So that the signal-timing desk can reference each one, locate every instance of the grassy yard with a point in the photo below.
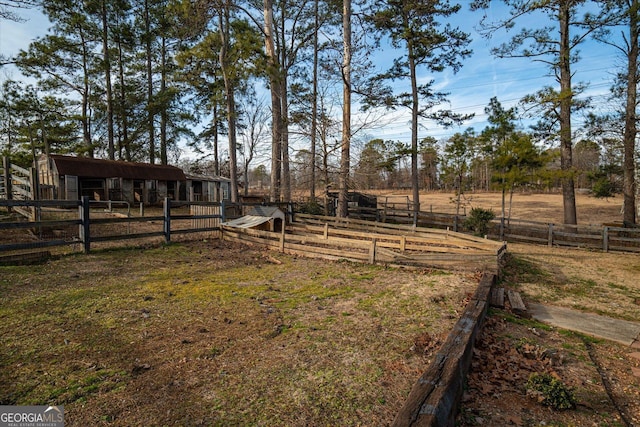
(211, 333)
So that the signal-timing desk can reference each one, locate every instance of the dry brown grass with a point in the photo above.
(543, 207)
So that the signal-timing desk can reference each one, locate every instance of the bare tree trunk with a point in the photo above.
(223, 20)
(630, 131)
(345, 161)
(284, 110)
(415, 185)
(566, 100)
(123, 103)
(276, 103)
(245, 178)
(86, 121)
(216, 160)
(150, 108)
(286, 170)
(314, 106)
(107, 76)
(163, 111)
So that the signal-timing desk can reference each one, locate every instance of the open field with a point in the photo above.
(213, 333)
(543, 207)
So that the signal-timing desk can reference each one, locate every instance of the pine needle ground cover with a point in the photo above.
(213, 333)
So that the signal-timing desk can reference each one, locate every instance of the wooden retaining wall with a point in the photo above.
(434, 398)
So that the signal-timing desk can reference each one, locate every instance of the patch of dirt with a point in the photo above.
(593, 281)
(510, 349)
(508, 352)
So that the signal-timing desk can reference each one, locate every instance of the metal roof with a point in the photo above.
(247, 221)
(257, 216)
(268, 211)
(85, 167)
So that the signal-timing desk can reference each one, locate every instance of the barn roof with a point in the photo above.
(97, 168)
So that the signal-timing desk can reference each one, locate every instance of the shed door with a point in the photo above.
(71, 187)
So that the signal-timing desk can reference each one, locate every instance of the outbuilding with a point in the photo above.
(70, 178)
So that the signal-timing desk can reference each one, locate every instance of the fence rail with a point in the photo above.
(81, 223)
(88, 225)
(361, 241)
(606, 238)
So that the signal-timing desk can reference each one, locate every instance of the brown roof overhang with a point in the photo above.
(85, 167)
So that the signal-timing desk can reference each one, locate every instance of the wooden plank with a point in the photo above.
(318, 255)
(450, 239)
(387, 249)
(517, 305)
(16, 168)
(38, 244)
(497, 297)
(369, 225)
(334, 252)
(434, 398)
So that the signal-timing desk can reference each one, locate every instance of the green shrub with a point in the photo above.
(603, 188)
(478, 221)
(311, 208)
(550, 391)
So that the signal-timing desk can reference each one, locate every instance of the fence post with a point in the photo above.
(166, 211)
(550, 238)
(282, 233)
(6, 165)
(85, 233)
(502, 229)
(372, 252)
(605, 239)
(455, 223)
(35, 193)
(290, 208)
(223, 211)
(35, 183)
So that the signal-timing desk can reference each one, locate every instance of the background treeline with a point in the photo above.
(262, 91)
(490, 160)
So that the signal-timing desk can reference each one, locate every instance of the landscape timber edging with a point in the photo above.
(434, 398)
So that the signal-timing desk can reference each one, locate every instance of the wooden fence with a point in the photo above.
(606, 238)
(362, 241)
(66, 225)
(85, 223)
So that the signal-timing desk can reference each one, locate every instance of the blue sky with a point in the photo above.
(481, 77)
(509, 79)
